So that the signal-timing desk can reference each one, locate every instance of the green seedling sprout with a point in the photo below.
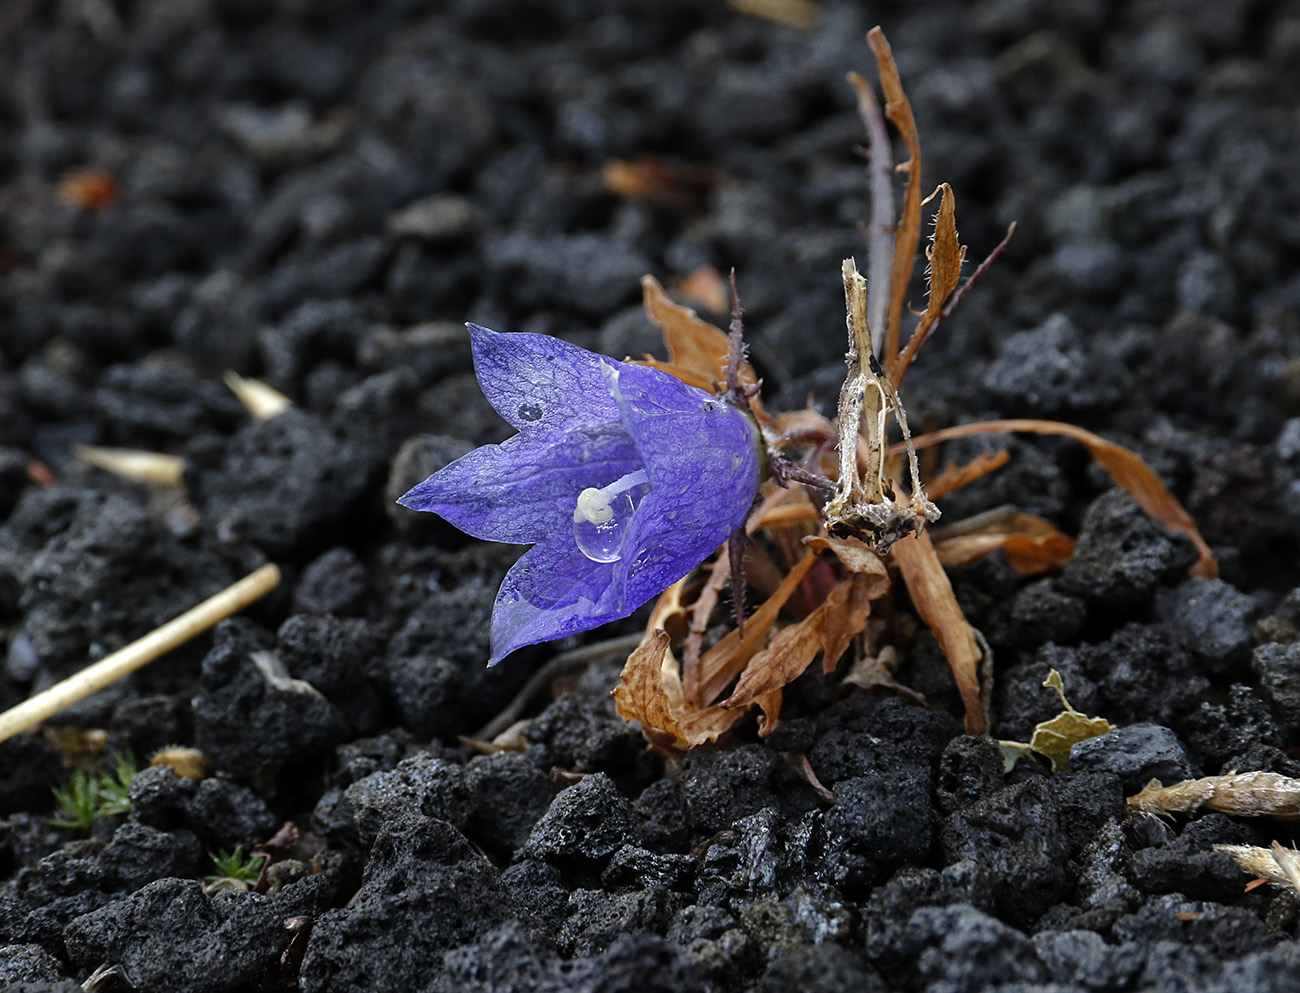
(234, 870)
(88, 796)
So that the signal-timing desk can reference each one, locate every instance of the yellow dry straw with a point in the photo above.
(138, 654)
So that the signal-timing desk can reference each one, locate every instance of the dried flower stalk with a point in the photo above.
(864, 505)
(1277, 864)
(1245, 794)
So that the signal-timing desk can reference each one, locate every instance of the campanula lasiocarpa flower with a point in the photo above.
(621, 477)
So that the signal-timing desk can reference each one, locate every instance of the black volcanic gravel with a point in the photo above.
(319, 194)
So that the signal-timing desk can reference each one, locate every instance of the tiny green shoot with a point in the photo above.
(87, 797)
(234, 870)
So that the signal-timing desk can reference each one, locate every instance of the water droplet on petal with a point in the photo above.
(601, 516)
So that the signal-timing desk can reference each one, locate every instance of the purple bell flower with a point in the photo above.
(622, 477)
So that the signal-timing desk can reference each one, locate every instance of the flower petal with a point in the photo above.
(536, 381)
(702, 458)
(524, 489)
(551, 592)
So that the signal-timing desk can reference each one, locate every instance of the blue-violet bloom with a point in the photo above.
(622, 477)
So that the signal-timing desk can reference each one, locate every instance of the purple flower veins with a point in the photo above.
(621, 477)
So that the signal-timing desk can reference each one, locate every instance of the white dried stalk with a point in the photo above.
(864, 505)
(1246, 794)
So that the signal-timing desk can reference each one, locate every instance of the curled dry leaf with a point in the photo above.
(1244, 794)
(933, 597)
(697, 351)
(827, 631)
(954, 477)
(1053, 739)
(1126, 468)
(1032, 544)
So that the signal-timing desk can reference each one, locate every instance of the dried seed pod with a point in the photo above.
(1246, 794)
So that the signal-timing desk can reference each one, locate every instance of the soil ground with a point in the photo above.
(319, 194)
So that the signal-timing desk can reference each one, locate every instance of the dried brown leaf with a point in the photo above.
(954, 477)
(827, 631)
(802, 14)
(935, 601)
(1032, 544)
(855, 556)
(697, 351)
(706, 287)
(725, 660)
(1126, 468)
(899, 112)
(1245, 794)
(674, 186)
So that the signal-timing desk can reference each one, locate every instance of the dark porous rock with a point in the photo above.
(581, 730)
(1136, 675)
(596, 918)
(68, 549)
(586, 823)
(510, 960)
(826, 968)
(1048, 372)
(1218, 732)
(332, 655)
(510, 795)
(221, 812)
(970, 769)
(281, 483)
(1278, 668)
(29, 769)
(633, 866)
(310, 335)
(139, 854)
(589, 273)
(1028, 834)
(1224, 932)
(246, 684)
(957, 948)
(147, 723)
(720, 787)
(157, 403)
(1122, 554)
(170, 935)
(660, 814)
(13, 472)
(1211, 619)
(423, 879)
(29, 964)
(538, 887)
(334, 583)
(878, 822)
(1041, 612)
(862, 734)
(1190, 865)
(763, 853)
(421, 784)
(1086, 959)
(1136, 753)
(435, 672)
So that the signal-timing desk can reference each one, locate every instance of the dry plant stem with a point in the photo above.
(1277, 864)
(139, 653)
(864, 505)
(880, 229)
(561, 665)
(130, 463)
(899, 112)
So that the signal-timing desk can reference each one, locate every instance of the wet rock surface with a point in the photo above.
(317, 195)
